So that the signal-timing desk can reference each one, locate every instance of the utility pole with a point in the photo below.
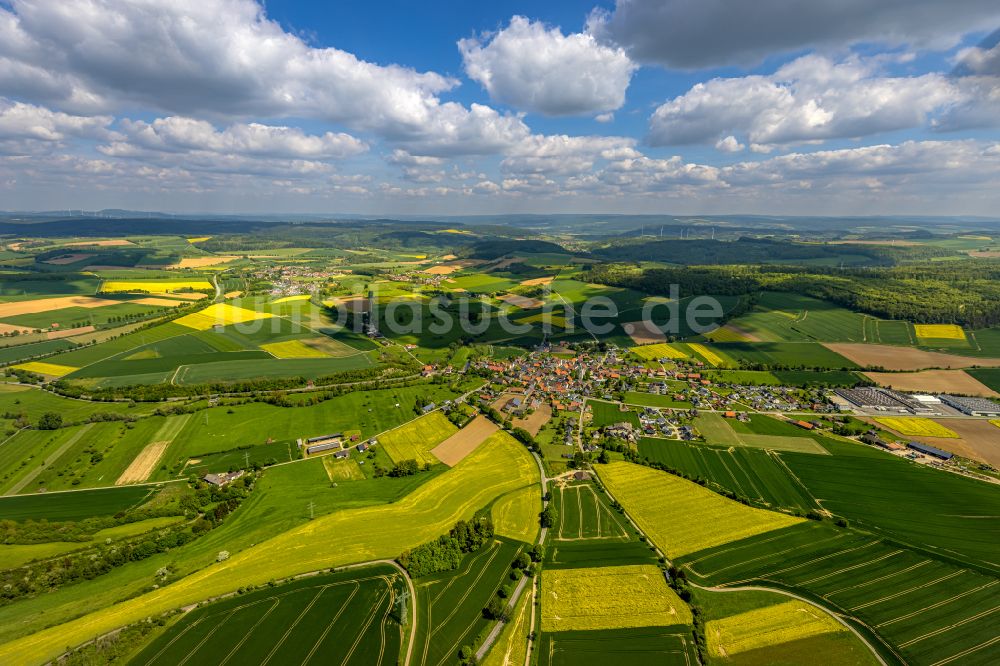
(246, 457)
(311, 516)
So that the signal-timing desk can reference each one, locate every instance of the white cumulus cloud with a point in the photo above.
(534, 68)
(809, 99)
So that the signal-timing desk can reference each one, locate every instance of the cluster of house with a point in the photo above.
(665, 423)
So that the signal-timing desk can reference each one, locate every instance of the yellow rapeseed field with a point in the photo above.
(515, 516)
(199, 239)
(344, 537)
(152, 286)
(917, 426)
(771, 625)
(995, 422)
(681, 517)
(414, 440)
(707, 354)
(292, 349)
(609, 598)
(659, 350)
(220, 314)
(51, 369)
(940, 331)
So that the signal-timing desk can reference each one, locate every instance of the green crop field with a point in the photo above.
(607, 413)
(13, 354)
(348, 616)
(788, 317)
(786, 355)
(643, 646)
(414, 440)
(482, 283)
(762, 424)
(584, 514)
(988, 376)
(499, 466)
(74, 505)
(654, 400)
(921, 609)
(752, 473)
(885, 493)
(816, 378)
(449, 605)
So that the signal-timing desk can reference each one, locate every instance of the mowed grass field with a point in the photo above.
(655, 499)
(345, 616)
(414, 440)
(921, 609)
(355, 535)
(609, 598)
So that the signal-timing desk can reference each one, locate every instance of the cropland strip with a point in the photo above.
(200, 262)
(152, 286)
(160, 302)
(681, 517)
(933, 381)
(415, 440)
(939, 331)
(143, 464)
(644, 332)
(767, 626)
(47, 304)
(534, 282)
(292, 349)
(904, 358)
(117, 242)
(609, 598)
(707, 354)
(454, 449)
(220, 314)
(49, 369)
(68, 332)
(290, 299)
(64, 259)
(353, 535)
(661, 350)
(522, 302)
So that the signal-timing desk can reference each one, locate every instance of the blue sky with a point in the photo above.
(624, 106)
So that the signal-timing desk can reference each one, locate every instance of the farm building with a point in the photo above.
(325, 446)
(343, 453)
(972, 406)
(805, 425)
(222, 479)
(930, 450)
(320, 438)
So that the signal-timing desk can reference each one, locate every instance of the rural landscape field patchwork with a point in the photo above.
(361, 443)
